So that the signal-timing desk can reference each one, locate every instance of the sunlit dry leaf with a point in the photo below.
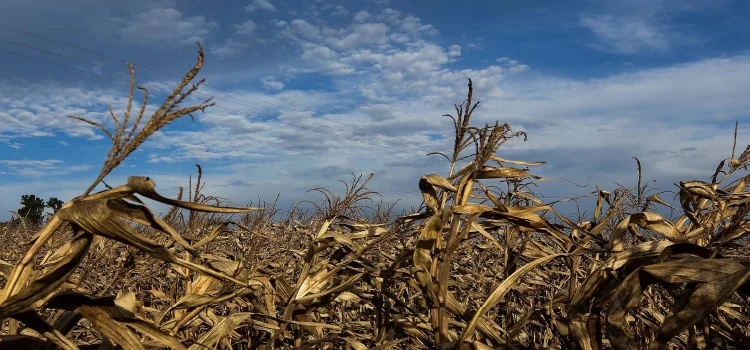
(506, 173)
(38, 290)
(694, 270)
(146, 187)
(649, 221)
(517, 162)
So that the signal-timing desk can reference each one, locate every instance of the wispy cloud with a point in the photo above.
(264, 5)
(246, 28)
(339, 11)
(41, 109)
(238, 42)
(512, 65)
(364, 89)
(165, 26)
(631, 35)
(36, 168)
(270, 83)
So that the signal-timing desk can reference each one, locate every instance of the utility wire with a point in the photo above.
(217, 106)
(225, 108)
(127, 82)
(408, 142)
(197, 92)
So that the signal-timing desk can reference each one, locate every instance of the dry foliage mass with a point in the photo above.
(483, 264)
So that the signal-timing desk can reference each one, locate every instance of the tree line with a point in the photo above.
(33, 208)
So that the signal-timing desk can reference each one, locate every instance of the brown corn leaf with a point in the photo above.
(439, 181)
(97, 218)
(500, 291)
(596, 283)
(700, 189)
(647, 220)
(704, 300)
(146, 187)
(517, 162)
(656, 199)
(29, 295)
(423, 252)
(506, 173)
(33, 320)
(22, 342)
(488, 327)
(693, 269)
(339, 288)
(626, 296)
(101, 313)
(109, 317)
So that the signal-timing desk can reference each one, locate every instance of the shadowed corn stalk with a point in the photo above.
(485, 263)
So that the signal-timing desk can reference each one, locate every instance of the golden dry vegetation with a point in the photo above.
(484, 263)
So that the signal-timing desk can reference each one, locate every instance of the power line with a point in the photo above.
(408, 142)
(127, 82)
(217, 106)
(197, 92)
(222, 107)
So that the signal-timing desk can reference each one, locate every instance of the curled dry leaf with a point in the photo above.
(487, 264)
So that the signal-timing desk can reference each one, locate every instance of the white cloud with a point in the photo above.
(414, 26)
(513, 66)
(229, 48)
(389, 42)
(345, 39)
(47, 167)
(166, 26)
(264, 5)
(237, 42)
(270, 83)
(360, 35)
(361, 16)
(325, 59)
(246, 28)
(389, 15)
(421, 58)
(475, 43)
(455, 51)
(42, 109)
(339, 11)
(507, 60)
(628, 35)
(383, 73)
(721, 82)
(580, 127)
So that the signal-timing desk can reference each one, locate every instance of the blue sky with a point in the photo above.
(594, 83)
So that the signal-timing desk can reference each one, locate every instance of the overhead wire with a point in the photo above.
(409, 143)
(127, 82)
(197, 92)
(204, 94)
(217, 106)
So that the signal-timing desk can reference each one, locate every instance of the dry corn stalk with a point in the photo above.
(482, 266)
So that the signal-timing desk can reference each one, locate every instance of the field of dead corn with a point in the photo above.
(483, 264)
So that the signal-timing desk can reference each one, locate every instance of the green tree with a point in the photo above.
(54, 204)
(32, 208)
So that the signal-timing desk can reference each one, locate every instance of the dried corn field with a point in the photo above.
(484, 264)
